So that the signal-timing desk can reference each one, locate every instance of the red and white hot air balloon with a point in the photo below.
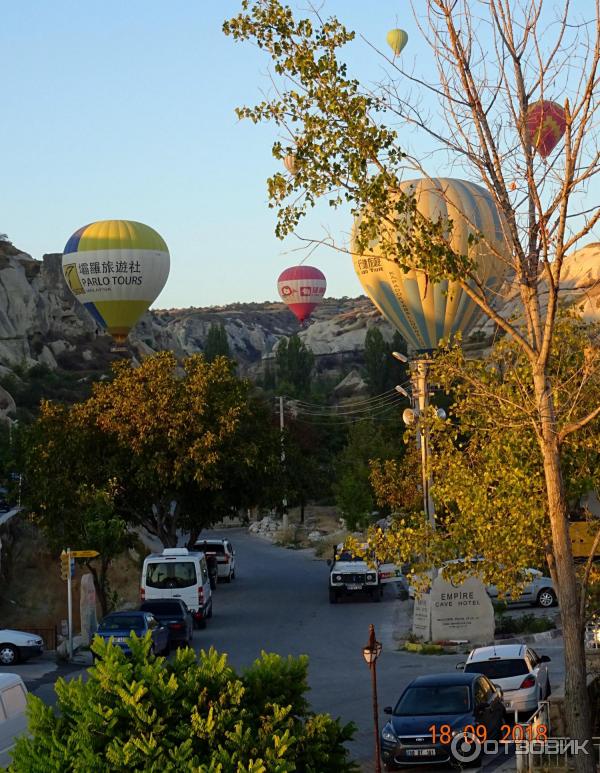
(302, 288)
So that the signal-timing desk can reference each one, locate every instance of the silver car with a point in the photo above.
(13, 722)
(539, 591)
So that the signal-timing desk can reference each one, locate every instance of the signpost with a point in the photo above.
(67, 560)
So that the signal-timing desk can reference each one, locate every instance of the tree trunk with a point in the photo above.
(577, 705)
(100, 584)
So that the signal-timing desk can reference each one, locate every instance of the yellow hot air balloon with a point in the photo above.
(424, 312)
(397, 39)
(116, 269)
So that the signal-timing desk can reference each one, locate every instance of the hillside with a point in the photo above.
(41, 324)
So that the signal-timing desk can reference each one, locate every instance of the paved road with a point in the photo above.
(279, 603)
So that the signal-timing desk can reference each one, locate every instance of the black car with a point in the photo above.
(174, 615)
(434, 709)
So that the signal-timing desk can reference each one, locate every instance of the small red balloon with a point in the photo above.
(546, 124)
(302, 288)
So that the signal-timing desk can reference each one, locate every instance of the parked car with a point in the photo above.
(349, 574)
(178, 573)
(538, 591)
(174, 615)
(223, 550)
(456, 700)
(517, 669)
(118, 627)
(16, 646)
(13, 722)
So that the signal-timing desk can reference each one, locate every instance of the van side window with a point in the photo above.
(14, 700)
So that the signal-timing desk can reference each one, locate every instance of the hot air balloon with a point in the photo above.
(116, 269)
(397, 39)
(302, 288)
(290, 163)
(546, 124)
(424, 312)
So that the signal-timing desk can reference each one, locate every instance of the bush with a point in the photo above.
(527, 623)
(193, 714)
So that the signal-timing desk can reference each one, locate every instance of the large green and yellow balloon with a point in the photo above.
(422, 311)
(116, 269)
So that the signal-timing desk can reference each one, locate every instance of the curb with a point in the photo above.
(532, 638)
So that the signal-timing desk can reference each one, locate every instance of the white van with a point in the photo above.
(178, 573)
(13, 722)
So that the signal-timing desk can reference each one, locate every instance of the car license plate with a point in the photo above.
(354, 586)
(119, 639)
(420, 752)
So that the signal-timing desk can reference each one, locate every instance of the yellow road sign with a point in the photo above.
(84, 553)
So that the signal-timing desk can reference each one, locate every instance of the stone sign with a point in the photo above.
(462, 611)
(422, 618)
(87, 608)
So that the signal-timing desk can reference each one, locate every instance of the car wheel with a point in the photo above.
(228, 578)
(209, 615)
(546, 598)
(167, 649)
(233, 574)
(375, 594)
(333, 596)
(9, 654)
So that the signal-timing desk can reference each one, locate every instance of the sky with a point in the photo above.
(126, 110)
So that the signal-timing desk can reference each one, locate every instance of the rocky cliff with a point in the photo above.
(42, 323)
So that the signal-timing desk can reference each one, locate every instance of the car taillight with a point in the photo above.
(226, 560)
(176, 626)
(201, 595)
(529, 681)
(142, 594)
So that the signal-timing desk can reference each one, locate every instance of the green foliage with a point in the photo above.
(486, 462)
(353, 490)
(295, 363)
(527, 623)
(217, 343)
(383, 371)
(171, 450)
(194, 713)
(29, 386)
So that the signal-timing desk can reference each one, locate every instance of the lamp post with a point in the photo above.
(371, 652)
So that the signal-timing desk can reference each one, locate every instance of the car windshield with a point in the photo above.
(498, 669)
(211, 547)
(180, 574)
(433, 699)
(122, 623)
(162, 607)
(345, 555)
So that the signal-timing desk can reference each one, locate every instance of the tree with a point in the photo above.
(354, 494)
(217, 343)
(383, 371)
(70, 491)
(175, 447)
(489, 69)
(295, 363)
(192, 713)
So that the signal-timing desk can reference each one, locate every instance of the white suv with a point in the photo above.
(517, 669)
(223, 551)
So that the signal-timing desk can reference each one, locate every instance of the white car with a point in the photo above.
(223, 551)
(13, 722)
(16, 646)
(517, 669)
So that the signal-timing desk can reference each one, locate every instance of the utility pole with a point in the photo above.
(281, 429)
(420, 372)
(70, 605)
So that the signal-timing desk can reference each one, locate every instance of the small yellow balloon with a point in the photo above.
(397, 39)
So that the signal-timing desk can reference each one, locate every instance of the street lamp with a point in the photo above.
(371, 652)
